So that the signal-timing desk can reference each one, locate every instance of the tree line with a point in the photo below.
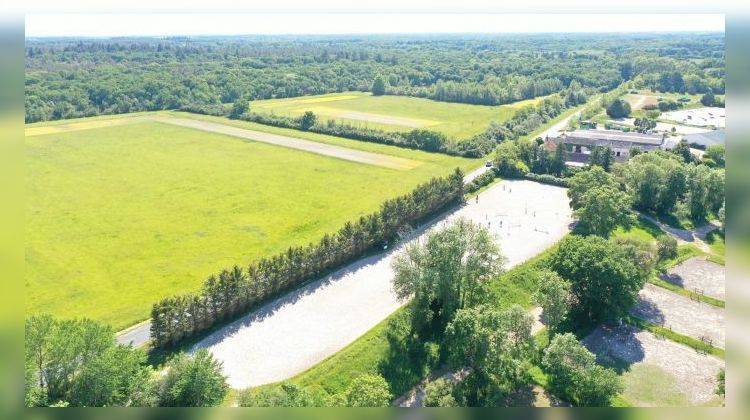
(489, 92)
(235, 291)
(523, 122)
(68, 78)
(448, 277)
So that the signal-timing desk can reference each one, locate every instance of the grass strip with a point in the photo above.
(685, 292)
(694, 343)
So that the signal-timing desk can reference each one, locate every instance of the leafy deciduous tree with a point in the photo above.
(193, 381)
(446, 273)
(604, 279)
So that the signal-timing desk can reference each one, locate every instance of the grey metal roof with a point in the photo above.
(616, 137)
(709, 138)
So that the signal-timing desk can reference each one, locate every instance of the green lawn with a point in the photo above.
(393, 113)
(120, 216)
(642, 229)
(715, 240)
(650, 386)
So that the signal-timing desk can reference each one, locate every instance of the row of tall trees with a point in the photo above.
(524, 121)
(489, 92)
(420, 139)
(234, 291)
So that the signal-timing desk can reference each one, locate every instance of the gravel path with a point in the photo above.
(696, 236)
(694, 373)
(381, 119)
(681, 314)
(354, 155)
(301, 329)
(701, 274)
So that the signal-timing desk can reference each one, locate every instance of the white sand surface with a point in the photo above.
(304, 327)
(699, 117)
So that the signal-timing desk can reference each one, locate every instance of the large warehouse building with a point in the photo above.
(582, 142)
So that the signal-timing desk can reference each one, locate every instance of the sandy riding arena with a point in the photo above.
(699, 274)
(304, 327)
(680, 314)
(658, 372)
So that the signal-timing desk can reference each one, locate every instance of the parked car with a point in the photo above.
(488, 164)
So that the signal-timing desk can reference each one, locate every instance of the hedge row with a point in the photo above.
(233, 292)
(547, 179)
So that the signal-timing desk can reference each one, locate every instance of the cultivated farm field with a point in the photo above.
(394, 113)
(121, 214)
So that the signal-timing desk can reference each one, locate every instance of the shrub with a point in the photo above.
(439, 393)
(307, 121)
(547, 179)
(369, 391)
(619, 108)
(284, 395)
(480, 181)
(193, 381)
(666, 247)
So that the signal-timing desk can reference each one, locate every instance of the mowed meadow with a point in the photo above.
(393, 113)
(121, 215)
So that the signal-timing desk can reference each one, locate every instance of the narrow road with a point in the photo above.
(559, 126)
(138, 335)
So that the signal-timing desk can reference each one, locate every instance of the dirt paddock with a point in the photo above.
(681, 314)
(699, 274)
(667, 373)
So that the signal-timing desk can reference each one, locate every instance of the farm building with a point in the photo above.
(582, 142)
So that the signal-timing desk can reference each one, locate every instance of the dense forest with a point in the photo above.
(68, 78)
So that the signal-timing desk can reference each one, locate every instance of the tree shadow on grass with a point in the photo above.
(533, 396)
(409, 360)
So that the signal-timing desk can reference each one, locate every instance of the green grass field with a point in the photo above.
(393, 113)
(119, 216)
(650, 386)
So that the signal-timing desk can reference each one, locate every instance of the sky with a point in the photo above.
(209, 23)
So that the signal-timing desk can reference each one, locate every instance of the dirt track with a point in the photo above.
(339, 152)
(380, 119)
(294, 143)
